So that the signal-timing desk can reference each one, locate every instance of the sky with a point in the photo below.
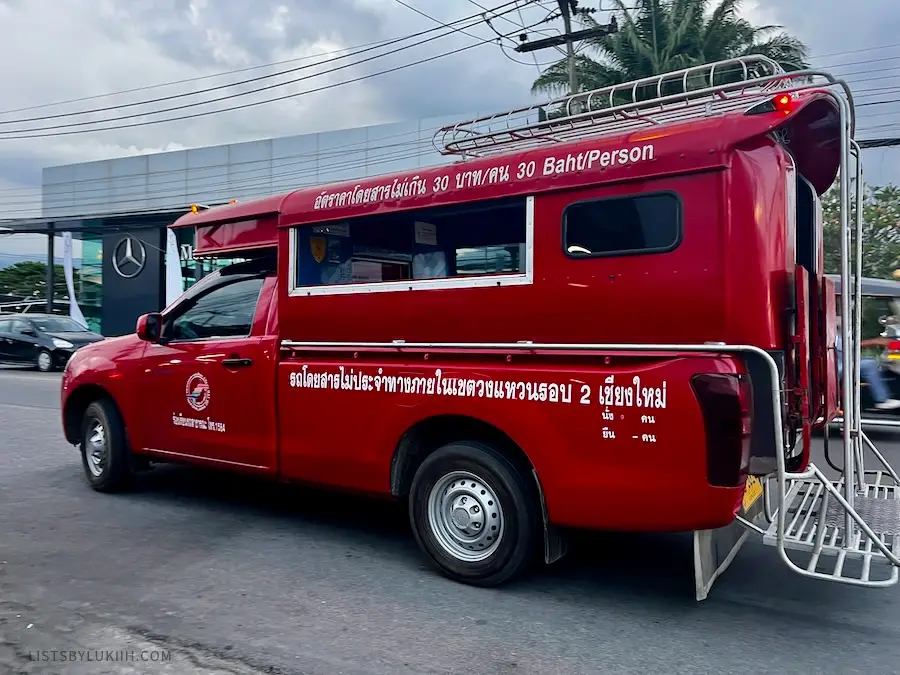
(57, 51)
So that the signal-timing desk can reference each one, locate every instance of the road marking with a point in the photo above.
(28, 407)
(28, 378)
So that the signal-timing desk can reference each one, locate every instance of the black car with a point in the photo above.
(46, 340)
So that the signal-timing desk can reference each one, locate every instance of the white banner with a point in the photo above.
(74, 310)
(174, 280)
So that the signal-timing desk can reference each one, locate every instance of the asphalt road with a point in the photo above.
(228, 575)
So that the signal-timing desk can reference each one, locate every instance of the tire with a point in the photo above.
(105, 456)
(44, 361)
(502, 499)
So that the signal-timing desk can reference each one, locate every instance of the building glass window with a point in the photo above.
(89, 280)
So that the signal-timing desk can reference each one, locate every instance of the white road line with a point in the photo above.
(29, 378)
(28, 407)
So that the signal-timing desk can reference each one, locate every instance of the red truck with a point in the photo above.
(612, 315)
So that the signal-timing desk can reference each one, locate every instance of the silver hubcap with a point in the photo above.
(44, 361)
(95, 452)
(465, 516)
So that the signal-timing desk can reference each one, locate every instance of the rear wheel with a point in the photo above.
(104, 448)
(474, 514)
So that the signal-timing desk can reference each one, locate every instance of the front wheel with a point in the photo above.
(474, 514)
(105, 455)
(44, 361)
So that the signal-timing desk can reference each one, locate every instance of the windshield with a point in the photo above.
(59, 325)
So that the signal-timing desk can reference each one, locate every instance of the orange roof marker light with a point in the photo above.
(197, 208)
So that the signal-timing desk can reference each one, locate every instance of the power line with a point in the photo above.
(229, 169)
(859, 63)
(245, 105)
(224, 86)
(437, 21)
(228, 185)
(870, 143)
(859, 51)
(337, 160)
(226, 179)
(488, 11)
(863, 105)
(188, 80)
(224, 190)
(336, 150)
(376, 43)
(247, 189)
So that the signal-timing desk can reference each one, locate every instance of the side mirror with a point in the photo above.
(149, 327)
(30, 332)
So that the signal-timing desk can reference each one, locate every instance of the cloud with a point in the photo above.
(81, 48)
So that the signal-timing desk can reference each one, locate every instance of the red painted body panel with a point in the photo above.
(244, 235)
(236, 417)
(111, 365)
(570, 301)
(729, 280)
(552, 407)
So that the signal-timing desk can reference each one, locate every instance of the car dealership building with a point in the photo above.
(120, 208)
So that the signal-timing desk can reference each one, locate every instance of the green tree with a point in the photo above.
(880, 230)
(881, 242)
(29, 280)
(659, 36)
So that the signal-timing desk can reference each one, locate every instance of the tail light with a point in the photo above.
(783, 103)
(894, 346)
(725, 404)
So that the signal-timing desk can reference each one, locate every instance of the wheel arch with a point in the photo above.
(77, 403)
(429, 434)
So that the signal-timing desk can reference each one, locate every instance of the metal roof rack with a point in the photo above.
(695, 92)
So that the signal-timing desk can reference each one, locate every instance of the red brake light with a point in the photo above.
(894, 346)
(724, 400)
(782, 103)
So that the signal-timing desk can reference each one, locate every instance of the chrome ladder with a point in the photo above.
(855, 517)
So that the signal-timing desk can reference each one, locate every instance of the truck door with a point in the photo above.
(210, 383)
(22, 344)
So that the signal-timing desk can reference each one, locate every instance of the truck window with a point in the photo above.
(225, 311)
(622, 225)
(460, 241)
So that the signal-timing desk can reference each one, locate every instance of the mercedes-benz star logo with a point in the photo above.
(129, 257)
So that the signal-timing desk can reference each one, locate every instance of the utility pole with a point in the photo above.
(569, 8)
(564, 6)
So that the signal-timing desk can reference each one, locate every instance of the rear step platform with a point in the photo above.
(810, 530)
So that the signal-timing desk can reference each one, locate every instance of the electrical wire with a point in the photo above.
(229, 188)
(859, 51)
(230, 171)
(863, 105)
(15, 132)
(437, 21)
(189, 80)
(332, 151)
(355, 51)
(310, 168)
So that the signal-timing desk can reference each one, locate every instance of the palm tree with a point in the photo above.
(660, 36)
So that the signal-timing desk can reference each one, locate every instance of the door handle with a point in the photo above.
(237, 363)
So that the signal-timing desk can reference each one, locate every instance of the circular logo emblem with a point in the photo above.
(197, 392)
(129, 257)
